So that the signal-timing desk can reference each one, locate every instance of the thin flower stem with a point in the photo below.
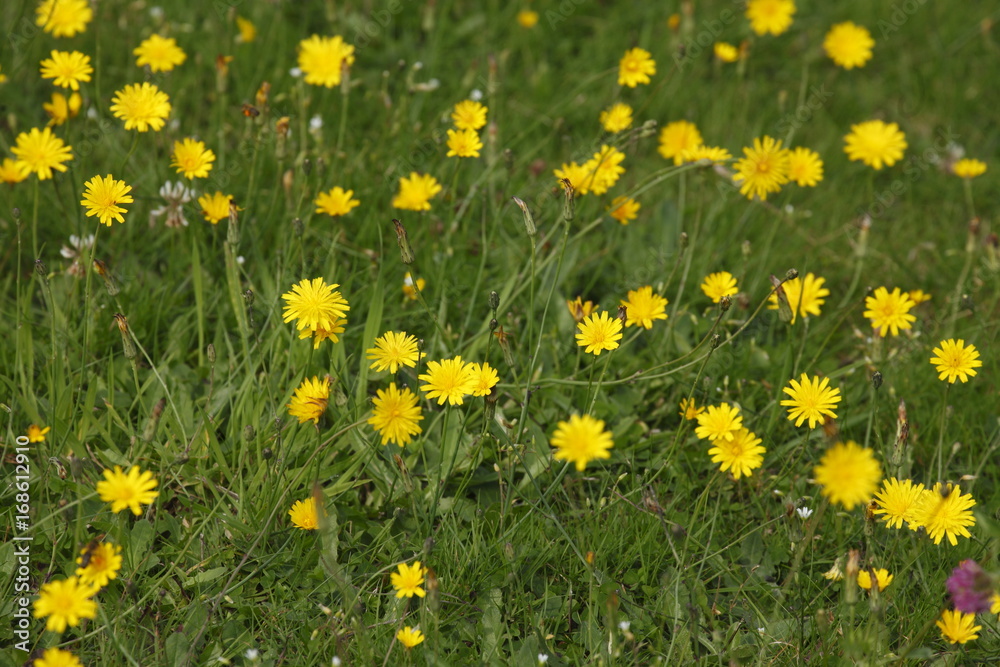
(442, 479)
(135, 142)
(967, 182)
(939, 454)
(34, 223)
(597, 389)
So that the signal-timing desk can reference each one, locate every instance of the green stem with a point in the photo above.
(135, 142)
(939, 454)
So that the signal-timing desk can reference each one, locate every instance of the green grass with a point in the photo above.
(528, 557)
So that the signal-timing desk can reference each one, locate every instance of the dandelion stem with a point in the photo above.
(939, 454)
(135, 142)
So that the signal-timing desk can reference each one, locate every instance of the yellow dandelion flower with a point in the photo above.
(127, 490)
(635, 67)
(63, 18)
(690, 410)
(409, 637)
(469, 115)
(804, 294)
(876, 143)
(642, 307)
(740, 456)
(161, 54)
(415, 192)
(40, 151)
(65, 602)
(448, 380)
(624, 209)
(392, 351)
(718, 285)
(805, 167)
(248, 31)
(13, 171)
(968, 168)
(314, 303)
(889, 311)
(616, 118)
(215, 207)
(62, 108)
(580, 309)
(581, 440)
(411, 288)
(463, 143)
(484, 378)
(726, 52)
(395, 415)
(606, 168)
(897, 502)
(598, 332)
(321, 333)
(103, 561)
(719, 422)
(141, 106)
(322, 59)
(956, 360)
(56, 657)
(310, 399)
(303, 514)
(192, 158)
(882, 579)
(958, 627)
(770, 16)
(67, 69)
(849, 45)
(919, 296)
(848, 473)
(336, 202)
(763, 170)
(811, 399)
(714, 154)
(527, 18)
(103, 196)
(678, 137)
(580, 176)
(37, 434)
(944, 512)
(407, 580)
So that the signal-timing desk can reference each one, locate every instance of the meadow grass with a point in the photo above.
(650, 556)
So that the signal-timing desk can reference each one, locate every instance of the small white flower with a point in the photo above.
(760, 631)
(240, 260)
(476, 95)
(624, 625)
(252, 654)
(335, 662)
(92, 113)
(295, 72)
(543, 658)
(315, 122)
(156, 12)
(804, 512)
(176, 195)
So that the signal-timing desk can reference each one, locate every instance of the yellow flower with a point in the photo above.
(805, 295)
(63, 18)
(944, 512)
(875, 143)
(321, 59)
(127, 490)
(580, 309)
(67, 69)
(310, 400)
(718, 285)
(192, 159)
(882, 579)
(580, 176)
(713, 154)
(248, 31)
(678, 137)
(407, 580)
(409, 637)
(40, 151)
(37, 434)
(463, 143)
(303, 514)
(897, 502)
(527, 18)
(320, 333)
(606, 168)
(642, 307)
(763, 170)
(336, 202)
(395, 415)
(392, 351)
(484, 378)
(719, 422)
(598, 332)
(581, 440)
(689, 409)
(957, 627)
(805, 167)
(469, 115)
(13, 171)
(770, 16)
(636, 66)
(314, 304)
(616, 118)
(416, 192)
(411, 288)
(61, 108)
(919, 296)
(811, 399)
(56, 657)
(968, 168)
(848, 473)
(103, 196)
(104, 560)
(889, 311)
(623, 209)
(725, 52)
(956, 360)
(448, 380)
(161, 53)
(215, 207)
(65, 602)
(741, 455)
(141, 106)
(849, 45)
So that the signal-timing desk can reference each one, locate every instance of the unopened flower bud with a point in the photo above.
(684, 240)
(529, 221)
(725, 303)
(716, 340)
(233, 233)
(494, 324)
(792, 274)
(123, 329)
(248, 297)
(268, 453)
(622, 313)
(16, 213)
(211, 353)
(298, 227)
(249, 434)
(494, 300)
(876, 379)
(569, 203)
(405, 251)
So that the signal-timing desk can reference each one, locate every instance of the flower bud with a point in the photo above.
(405, 251)
(123, 329)
(529, 221)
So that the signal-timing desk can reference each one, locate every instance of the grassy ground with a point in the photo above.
(653, 555)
